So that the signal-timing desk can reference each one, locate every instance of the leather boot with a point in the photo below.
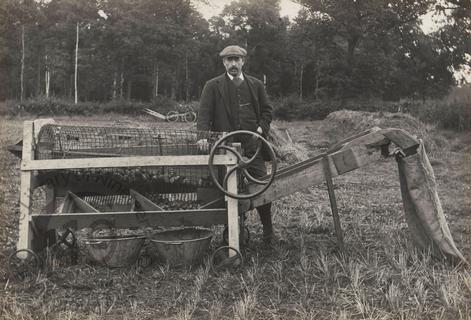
(265, 217)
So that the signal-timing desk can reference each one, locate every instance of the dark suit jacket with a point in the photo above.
(215, 113)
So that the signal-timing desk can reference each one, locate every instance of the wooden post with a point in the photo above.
(232, 213)
(25, 238)
(333, 203)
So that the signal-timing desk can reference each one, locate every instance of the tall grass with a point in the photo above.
(42, 106)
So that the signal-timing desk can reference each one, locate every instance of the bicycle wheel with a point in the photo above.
(172, 116)
(190, 117)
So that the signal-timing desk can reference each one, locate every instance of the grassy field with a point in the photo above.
(303, 276)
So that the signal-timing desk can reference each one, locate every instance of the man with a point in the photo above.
(237, 101)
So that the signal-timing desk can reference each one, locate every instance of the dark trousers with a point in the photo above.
(258, 169)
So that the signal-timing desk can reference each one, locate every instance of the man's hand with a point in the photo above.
(259, 130)
(203, 145)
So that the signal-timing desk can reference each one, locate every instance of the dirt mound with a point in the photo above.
(341, 124)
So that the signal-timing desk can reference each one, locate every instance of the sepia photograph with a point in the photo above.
(235, 159)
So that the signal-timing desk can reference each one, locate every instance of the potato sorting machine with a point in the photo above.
(152, 177)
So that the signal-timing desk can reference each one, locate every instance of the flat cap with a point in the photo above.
(233, 51)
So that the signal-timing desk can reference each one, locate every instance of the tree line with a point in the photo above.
(102, 50)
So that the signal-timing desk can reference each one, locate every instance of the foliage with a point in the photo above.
(453, 115)
(448, 114)
(138, 50)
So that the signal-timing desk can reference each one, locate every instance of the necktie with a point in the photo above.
(237, 81)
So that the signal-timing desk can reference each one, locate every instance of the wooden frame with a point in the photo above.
(34, 225)
(349, 154)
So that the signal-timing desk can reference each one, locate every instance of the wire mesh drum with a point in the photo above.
(170, 186)
(66, 142)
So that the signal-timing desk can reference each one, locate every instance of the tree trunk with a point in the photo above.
(38, 73)
(76, 64)
(115, 84)
(156, 81)
(187, 85)
(301, 75)
(351, 46)
(121, 80)
(128, 95)
(173, 93)
(48, 82)
(316, 80)
(22, 75)
(47, 77)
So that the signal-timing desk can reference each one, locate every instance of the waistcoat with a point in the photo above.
(242, 106)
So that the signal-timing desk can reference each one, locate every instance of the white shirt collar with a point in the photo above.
(241, 76)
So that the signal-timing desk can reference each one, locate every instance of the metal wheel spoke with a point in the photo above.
(228, 174)
(242, 164)
(63, 238)
(257, 152)
(251, 178)
(233, 151)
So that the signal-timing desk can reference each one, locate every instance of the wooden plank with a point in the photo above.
(355, 152)
(340, 144)
(371, 140)
(289, 183)
(401, 138)
(81, 204)
(155, 114)
(126, 151)
(140, 161)
(25, 237)
(217, 203)
(232, 213)
(302, 178)
(68, 204)
(207, 217)
(345, 161)
(145, 203)
(74, 204)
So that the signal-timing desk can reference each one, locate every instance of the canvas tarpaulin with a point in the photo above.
(423, 210)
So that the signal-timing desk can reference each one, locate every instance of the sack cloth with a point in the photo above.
(423, 210)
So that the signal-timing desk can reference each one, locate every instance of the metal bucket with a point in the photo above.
(182, 247)
(115, 251)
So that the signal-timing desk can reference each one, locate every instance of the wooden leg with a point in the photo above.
(333, 203)
(25, 232)
(232, 214)
(25, 238)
